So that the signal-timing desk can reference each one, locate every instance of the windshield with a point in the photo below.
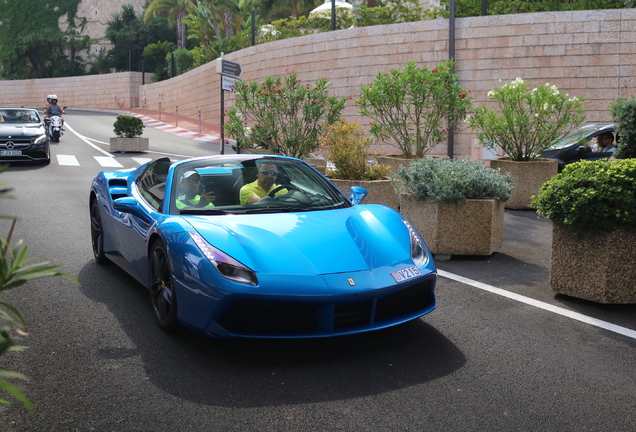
(265, 184)
(580, 136)
(19, 116)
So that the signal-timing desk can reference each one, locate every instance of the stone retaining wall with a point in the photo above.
(589, 54)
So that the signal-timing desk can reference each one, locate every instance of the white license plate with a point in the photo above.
(406, 274)
(10, 152)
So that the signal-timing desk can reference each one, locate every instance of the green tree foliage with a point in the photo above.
(175, 11)
(31, 42)
(468, 8)
(157, 54)
(130, 35)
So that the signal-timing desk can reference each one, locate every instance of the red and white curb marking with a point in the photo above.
(175, 130)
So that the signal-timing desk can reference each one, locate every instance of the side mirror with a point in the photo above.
(357, 194)
(129, 205)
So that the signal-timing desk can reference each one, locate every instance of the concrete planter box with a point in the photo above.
(319, 163)
(255, 151)
(528, 177)
(395, 161)
(380, 191)
(599, 268)
(137, 144)
(472, 228)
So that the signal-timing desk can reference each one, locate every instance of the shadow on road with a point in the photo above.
(262, 372)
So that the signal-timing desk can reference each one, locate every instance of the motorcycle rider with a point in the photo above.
(52, 108)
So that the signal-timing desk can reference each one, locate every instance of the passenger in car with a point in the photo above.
(189, 186)
(604, 143)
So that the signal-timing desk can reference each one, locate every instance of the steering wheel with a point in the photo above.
(280, 188)
(296, 194)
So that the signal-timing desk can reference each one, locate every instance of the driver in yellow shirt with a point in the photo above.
(266, 182)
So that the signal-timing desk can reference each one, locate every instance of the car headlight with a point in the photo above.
(418, 250)
(40, 140)
(227, 266)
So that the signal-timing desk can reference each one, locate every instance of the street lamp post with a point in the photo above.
(451, 55)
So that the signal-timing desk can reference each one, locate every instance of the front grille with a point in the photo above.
(17, 143)
(267, 318)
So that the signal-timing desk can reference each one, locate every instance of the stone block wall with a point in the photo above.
(589, 54)
(108, 91)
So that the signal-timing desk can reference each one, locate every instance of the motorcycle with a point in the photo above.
(54, 127)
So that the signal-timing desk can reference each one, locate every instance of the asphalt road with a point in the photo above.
(481, 361)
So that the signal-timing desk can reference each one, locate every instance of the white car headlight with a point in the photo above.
(227, 266)
(418, 250)
(40, 140)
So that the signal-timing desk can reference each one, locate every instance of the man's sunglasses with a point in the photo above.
(267, 172)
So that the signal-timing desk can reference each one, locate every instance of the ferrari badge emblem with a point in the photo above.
(351, 281)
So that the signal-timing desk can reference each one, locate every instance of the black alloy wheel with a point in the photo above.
(97, 233)
(162, 293)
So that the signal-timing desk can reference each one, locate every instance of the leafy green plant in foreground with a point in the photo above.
(16, 269)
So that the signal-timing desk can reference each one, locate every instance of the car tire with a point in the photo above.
(162, 292)
(97, 233)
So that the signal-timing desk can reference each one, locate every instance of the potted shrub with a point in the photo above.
(128, 130)
(346, 146)
(283, 116)
(593, 207)
(623, 111)
(524, 123)
(457, 205)
(415, 107)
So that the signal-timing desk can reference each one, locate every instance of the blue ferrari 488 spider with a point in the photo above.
(259, 246)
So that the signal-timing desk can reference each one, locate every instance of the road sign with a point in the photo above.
(229, 83)
(228, 68)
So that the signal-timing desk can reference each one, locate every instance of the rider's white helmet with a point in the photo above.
(49, 97)
(52, 97)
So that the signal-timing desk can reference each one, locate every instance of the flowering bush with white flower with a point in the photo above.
(526, 122)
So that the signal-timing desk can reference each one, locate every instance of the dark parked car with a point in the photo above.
(22, 136)
(577, 145)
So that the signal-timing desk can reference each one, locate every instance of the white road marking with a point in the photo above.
(141, 161)
(83, 138)
(541, 305)
(68, 160)
(108, 162)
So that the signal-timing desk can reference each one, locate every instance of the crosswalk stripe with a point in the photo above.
(141, 161)
(108, 162)
(67, 160)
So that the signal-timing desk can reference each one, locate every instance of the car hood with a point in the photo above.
(309, 243)
(19, 131)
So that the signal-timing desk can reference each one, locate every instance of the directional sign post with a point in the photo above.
(228, 68)
(230, 73)
(229, 84)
